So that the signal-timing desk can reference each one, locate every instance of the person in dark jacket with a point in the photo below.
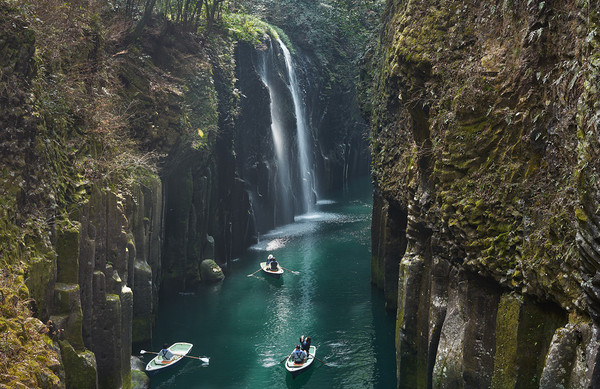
(305, 343)
(274, 264)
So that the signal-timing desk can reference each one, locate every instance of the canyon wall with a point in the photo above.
(484, 137)
(126, 164)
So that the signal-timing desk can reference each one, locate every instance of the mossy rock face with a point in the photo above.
(67, 250)
(141, 328)
(40, 281)
(139, 380)
(505, 360)
(489, 122)
(80, 367)
(67, 303)
(211, 272)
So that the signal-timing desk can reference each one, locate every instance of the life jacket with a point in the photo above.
(298, 356)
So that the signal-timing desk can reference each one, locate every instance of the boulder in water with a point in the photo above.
(211, 272)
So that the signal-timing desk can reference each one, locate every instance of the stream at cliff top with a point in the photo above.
(247, 325)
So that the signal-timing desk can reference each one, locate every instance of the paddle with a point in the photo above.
(205, 360)
(318, 359)
(286, 358)
(249, 275)
(291, 271)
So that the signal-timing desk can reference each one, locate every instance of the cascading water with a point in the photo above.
(302, 134)
(294, 173)
(284, 205)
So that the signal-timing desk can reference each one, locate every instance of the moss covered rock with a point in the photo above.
(80, 367)
(211, 272)
(484, 133)
(67, 251)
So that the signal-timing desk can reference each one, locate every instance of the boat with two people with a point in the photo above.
(296, 366)
(271, 267)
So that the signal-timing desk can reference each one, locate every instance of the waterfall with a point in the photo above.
(293, 177)
(280, 142)
(302, 134)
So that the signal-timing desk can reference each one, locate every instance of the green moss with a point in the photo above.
(65, 297)
(210, 271)
(67, 251)
(80, 367)
(141, 328)
(250, 28)
(505, 358)
(139, 380)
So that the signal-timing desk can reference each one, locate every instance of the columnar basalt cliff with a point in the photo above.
(126, 164)
(484, 137)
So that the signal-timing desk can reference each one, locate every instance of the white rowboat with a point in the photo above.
(297, 368)
(273, 273)
(179, 350)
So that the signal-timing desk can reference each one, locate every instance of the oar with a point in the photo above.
(249, 275)
(317, 359)
(205, 360)
(286, 357)
(291, 271)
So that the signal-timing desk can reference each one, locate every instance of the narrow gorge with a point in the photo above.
(144, 160)
(151, 149)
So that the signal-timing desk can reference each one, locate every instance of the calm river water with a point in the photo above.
(247, 325)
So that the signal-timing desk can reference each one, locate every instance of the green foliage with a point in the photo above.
(337, 32)
(248, 28)
(25, 352)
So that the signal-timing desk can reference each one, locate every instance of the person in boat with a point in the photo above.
(270, 258)
(165, 353)
(305, 343)
(298, 355)
(274, 264)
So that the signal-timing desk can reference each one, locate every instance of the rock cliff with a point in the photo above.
(484, 137)
(128, 167)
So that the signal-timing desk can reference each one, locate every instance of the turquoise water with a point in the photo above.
(247, 325)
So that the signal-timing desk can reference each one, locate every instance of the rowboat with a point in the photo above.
(273, 273)
(179, 350)
(297, 368)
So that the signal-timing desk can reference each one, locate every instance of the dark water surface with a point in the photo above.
(247, 325)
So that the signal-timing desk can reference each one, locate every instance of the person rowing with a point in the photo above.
(272, 263)
(165, 353)
(299, 355)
